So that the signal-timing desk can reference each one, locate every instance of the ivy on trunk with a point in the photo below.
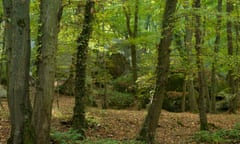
(78, 120)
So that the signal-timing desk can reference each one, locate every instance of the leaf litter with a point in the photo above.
(173, 128)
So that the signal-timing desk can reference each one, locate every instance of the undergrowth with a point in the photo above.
(72, 137)
(69, 137)
(220, 136)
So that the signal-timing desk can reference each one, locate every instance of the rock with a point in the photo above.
(3, 92)
(118, 65)
(223, 101)
(172, 101)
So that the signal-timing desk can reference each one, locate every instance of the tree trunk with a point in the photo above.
(182, 52)
(229, 9)
(188, 46)
(78, 120)
(201, 75)
(235, 101)
(68, 87)
(47, 44)
(216, 49)
(148, 130)
(17, 44)
(183, 101)
(133, 34)
(237, 80)
(193, 106)
(231, 81)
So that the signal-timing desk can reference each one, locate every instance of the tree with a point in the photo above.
(188, 46)
(232, 80)
(47, 44)
(78, 120)
(17, 44)
(132, 34)
(201, 76)
(147, 133)
(216, 50)
(229, 9)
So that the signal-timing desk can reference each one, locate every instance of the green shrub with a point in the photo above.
(120, 100)
(206, 136)
(219, 136)
(69, 137)
(145, 90)
(110, 141)
(123, 83)
(92, 121)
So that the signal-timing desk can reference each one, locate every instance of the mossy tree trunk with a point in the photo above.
(201, 76)
(17, 44)
(50, 13)
(78, 119)
(147, 133)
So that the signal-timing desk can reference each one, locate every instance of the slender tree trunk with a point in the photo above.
(148, 130)
(201, 75)
(193, 106)
(133, 46)
(17, 44)
(237, 80)
(216, 49)
(231, 81)
(205, 85)
(104, 103)
(229, 9)
(78, 120)
(133, 34)
(183, 101)
(188, 46)
(235, 101)
(182, 52)
(47, 44)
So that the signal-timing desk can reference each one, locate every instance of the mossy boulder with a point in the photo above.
(117, 65)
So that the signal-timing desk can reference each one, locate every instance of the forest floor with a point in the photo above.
(173, 128)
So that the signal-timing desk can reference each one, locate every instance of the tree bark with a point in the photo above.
(188, 46)
(231, 81)
(229, 9)
(78, 120)
(216, 49)
(234, 104)
(201, 75)
(17, 44)
(148, 130)
(132, 33)
(47, 44)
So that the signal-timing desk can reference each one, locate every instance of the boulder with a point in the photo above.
(117, 65)
(172, 101)
(3, 92)
(223, 101)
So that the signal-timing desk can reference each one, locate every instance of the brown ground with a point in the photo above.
(173, 128)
